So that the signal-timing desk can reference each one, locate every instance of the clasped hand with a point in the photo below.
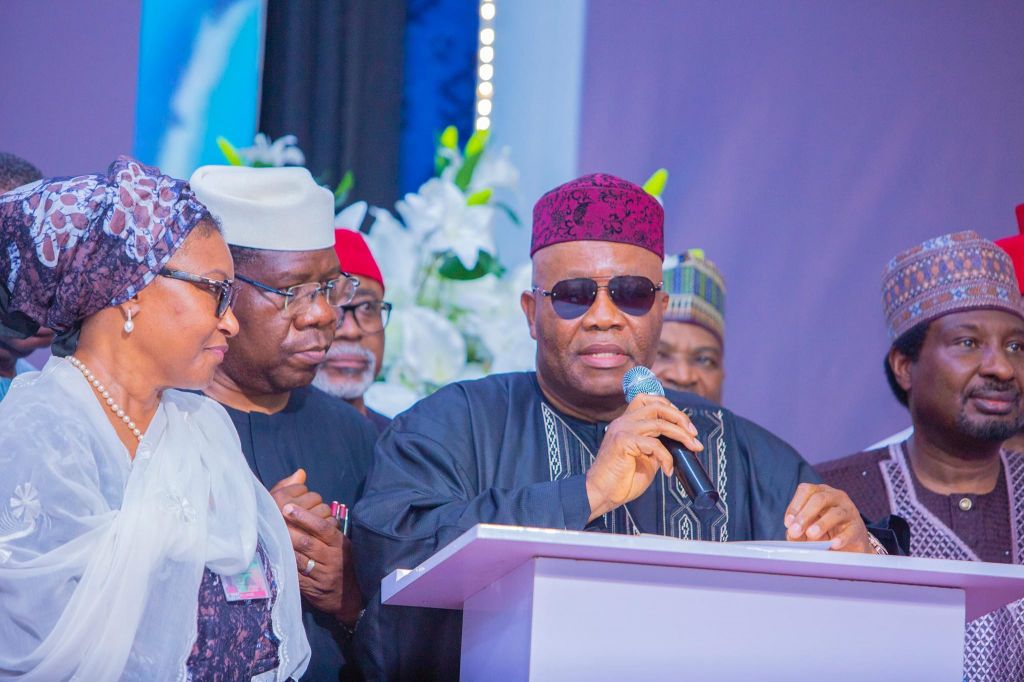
(331, 585)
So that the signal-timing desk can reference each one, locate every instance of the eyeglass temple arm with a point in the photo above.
(264, 287)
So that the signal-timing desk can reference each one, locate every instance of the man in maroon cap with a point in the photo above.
(560, 447)
(355, 357)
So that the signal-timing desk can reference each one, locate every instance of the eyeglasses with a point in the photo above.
(225, 289)
(337, 291)
(571, 298)
(370, 316)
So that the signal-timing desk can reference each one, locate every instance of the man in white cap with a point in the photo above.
(279, 225)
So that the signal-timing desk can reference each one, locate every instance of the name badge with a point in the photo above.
(249, 584)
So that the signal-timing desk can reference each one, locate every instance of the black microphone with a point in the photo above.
(688, 468)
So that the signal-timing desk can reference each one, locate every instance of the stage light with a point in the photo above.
(485, 65)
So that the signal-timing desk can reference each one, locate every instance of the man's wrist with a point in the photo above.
(876, 545)
(349, 626)
(598, 503)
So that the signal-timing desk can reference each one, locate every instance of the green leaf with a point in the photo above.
(229, 152)
(344, 187)
(450, 137)
(486, 264)
(474, 150)
(655, 184)
(465, 174)
(479, 198)
(510, 212)
(476, 143)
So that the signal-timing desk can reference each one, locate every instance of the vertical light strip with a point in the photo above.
(485, 65)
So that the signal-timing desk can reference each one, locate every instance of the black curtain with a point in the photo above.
(332, 75)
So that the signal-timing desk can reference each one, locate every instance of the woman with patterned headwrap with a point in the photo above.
(134, 541)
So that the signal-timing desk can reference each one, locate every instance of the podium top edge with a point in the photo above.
(487, 551)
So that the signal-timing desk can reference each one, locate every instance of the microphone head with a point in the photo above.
(639, 380)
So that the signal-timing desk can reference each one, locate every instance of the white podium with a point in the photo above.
(563, 605)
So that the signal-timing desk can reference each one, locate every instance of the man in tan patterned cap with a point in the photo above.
(954, 314)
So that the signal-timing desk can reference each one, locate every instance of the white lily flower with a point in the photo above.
(454, 163)
(281, 152)
(466, 235)
(472, 372)
(439, 213)
(424, 210)
(398, 254)
(351, 217)
(495, 171)
(390, 399)
(433, 349)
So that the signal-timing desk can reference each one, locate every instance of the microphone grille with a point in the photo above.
(639, 380)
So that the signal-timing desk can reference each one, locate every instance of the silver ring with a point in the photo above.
(310, 565)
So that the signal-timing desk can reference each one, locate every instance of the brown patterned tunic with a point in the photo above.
(967, 527)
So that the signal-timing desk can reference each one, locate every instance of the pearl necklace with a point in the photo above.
(105, 394)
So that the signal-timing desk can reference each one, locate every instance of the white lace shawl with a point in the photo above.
(101, 557)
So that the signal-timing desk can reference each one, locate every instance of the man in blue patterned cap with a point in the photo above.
(953, 309)
(691, 348)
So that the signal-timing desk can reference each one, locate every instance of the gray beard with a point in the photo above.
(354, 384)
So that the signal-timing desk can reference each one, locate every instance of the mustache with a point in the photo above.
(339, 348)
(990, 387)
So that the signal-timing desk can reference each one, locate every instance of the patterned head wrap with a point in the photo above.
(70, 247)
(948, 274)
(696, 293)
(602, 208)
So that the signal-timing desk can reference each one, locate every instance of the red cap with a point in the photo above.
(1015, 247)
(355, 256)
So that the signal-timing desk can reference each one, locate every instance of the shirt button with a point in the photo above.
(966, 504)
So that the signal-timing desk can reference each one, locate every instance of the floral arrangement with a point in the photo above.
(456, 312)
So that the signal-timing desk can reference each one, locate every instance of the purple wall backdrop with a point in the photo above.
(69, 72)
(808, 142)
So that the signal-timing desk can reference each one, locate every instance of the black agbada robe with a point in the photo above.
(333, 442)
(494, 451)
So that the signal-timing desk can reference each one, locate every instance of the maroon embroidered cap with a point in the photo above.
(599, 207)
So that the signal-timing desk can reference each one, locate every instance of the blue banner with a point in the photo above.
(199, 78)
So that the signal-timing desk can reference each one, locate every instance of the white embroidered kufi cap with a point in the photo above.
(275, 209)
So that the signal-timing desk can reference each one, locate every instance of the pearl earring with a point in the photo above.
(128, 324)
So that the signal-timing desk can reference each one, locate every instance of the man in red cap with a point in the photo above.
(355, 357)
(1014, 246)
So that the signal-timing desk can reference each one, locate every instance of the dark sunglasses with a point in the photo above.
(225, 289)
(632, 294)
